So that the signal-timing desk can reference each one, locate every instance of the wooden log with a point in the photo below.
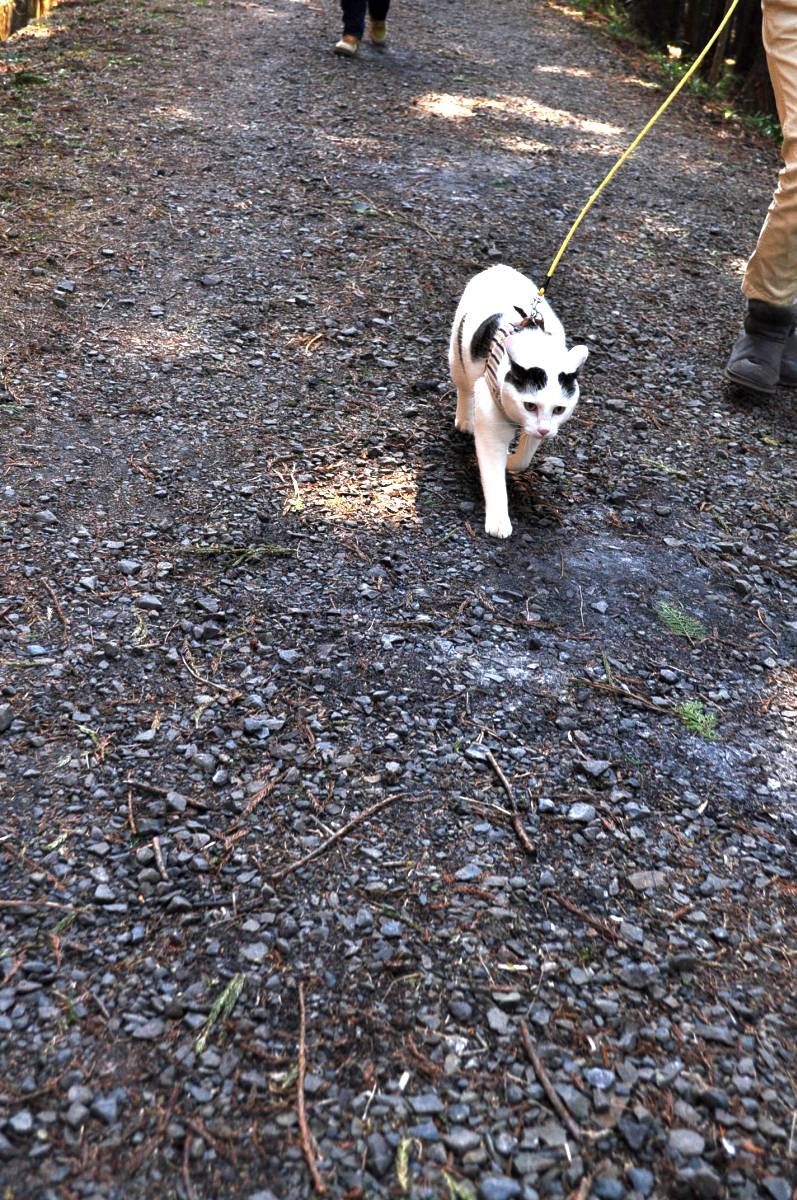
(15, 14)
(6, 18)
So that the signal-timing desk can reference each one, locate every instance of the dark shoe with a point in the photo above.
(756, 358)
(788, 364)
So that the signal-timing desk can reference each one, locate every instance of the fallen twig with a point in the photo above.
(131, 820)
(517, 824)
(201, 1129)
(220, 687)
(58, 609)
(306, 1135)
(159, 863)
(322, 849)
(583, 1189)
(253, 801)
(186, 1167)
(633, 697)
(613, 935)
(547, 1086)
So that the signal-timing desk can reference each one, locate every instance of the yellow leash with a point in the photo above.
(630, 150)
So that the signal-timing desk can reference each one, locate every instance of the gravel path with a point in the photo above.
(247, 605)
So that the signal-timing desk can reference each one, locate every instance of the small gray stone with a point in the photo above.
(600, 1078)
(580, 812)
(639, 975)
(75, 1115)
(6, 717)
(686, 1142)
(497, 1020)
(641, 1180)
(45, 516)
(642, 880)
(608, 1188)
(702, 1182)
(379, 1155)
(499, 1187)
(21, 1122)
(103, 894)
(778, 1187)
(255, 952)
(471, 871)
(129, 566)
(461, 1140)
(427, 1104)
(595, 767)
(106, 1108)
(148, 1031)
(148, 601)
(575, 1100)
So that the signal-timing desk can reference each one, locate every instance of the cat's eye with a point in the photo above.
(529, 406)
(560, 408)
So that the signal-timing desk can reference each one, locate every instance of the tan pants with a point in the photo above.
(771, 273)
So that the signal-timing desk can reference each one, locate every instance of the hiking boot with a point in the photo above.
(377, 32)
(757, 356)
(788, 364)
(348, 46)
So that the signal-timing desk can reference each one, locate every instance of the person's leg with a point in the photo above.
(377, 16)
(770, 280)
(771, 273)
(353, 26)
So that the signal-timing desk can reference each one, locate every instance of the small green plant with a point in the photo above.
(680, 622)
(458, 1189)
(222, 1007)
(697, 720)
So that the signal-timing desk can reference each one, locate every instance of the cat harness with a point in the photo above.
(506, 327)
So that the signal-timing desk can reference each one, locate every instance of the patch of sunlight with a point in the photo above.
(737, 265)
(35, 29)
(174, 112)
(650, 84)
(391, 498)
(456, 108)
(578, 72)
(521, 145)
(153, 345)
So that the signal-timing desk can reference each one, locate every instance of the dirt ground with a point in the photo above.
(247, 606)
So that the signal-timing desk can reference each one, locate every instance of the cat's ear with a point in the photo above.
(575, 359)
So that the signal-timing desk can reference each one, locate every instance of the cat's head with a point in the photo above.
(539, 390)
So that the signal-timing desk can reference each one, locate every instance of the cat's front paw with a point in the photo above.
(463, 424)
(500, 527)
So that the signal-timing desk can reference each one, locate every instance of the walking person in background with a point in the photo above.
(765, 354)
(354, 25)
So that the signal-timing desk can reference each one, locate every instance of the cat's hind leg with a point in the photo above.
(463, 421)
(526, 449)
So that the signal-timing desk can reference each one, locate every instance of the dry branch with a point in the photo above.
(547, 1086)
(322, 849)
(304, 1128)
(517, 824)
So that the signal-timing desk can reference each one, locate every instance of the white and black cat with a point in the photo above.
(512, 375)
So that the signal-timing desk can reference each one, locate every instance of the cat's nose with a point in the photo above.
(543, 431)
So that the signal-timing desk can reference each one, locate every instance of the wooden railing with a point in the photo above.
(16, 13)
